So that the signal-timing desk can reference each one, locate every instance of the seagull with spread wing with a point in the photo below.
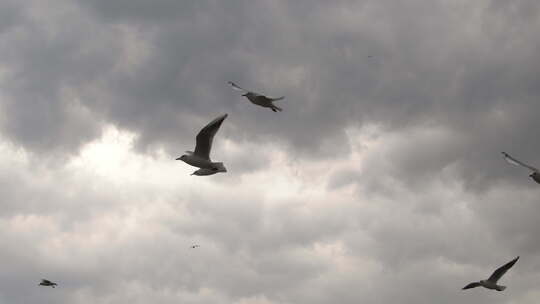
(259, 99)
(535, 175)
(491, 283)
(47, 283)
(201, 157)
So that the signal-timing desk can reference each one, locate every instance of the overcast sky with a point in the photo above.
(380, 182)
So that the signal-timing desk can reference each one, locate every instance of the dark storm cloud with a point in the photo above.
(450, 85)
(452, 66)
(11, 14)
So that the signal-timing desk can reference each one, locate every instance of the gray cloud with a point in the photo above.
(448, 87)
(153, 69)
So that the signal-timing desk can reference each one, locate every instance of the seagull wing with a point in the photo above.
(516, 162)
(502, 270)
(45, 281)
(275, 98)
(472, 285)
(206, 136)
(236, 87)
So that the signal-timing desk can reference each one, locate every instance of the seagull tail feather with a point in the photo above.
(220, 167)
(276, 109)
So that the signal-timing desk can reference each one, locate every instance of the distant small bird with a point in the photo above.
(535, 175)
(47, 283)
(491, 283)
(370, 56)
(194, 246)
(201, 157)
(259, 99)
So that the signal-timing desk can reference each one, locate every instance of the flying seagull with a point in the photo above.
(259, 99)
(491, 283)
(194, 246)
(47, 283)
(535, 175)
(201, 157)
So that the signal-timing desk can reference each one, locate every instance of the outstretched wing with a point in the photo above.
(206, 136)
(236, 87)
(502, 270)
(45, 281)
(472, 285)
(276, 99)
(516, 162)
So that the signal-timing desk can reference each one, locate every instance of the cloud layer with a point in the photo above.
(380, 182)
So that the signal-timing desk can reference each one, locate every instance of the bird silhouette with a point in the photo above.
(259, 99)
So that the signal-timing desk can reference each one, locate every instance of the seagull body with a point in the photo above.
(259, 99)
(535, 174)
(204, 171)
(47, 283)
(201, 157)
(491, 283)
(199, 162)
(194, 246)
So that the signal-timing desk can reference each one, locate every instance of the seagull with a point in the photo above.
(47, 283)
(535, 175)
(491, 283)
(259, 99)
(194, 246)
(201, 157)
